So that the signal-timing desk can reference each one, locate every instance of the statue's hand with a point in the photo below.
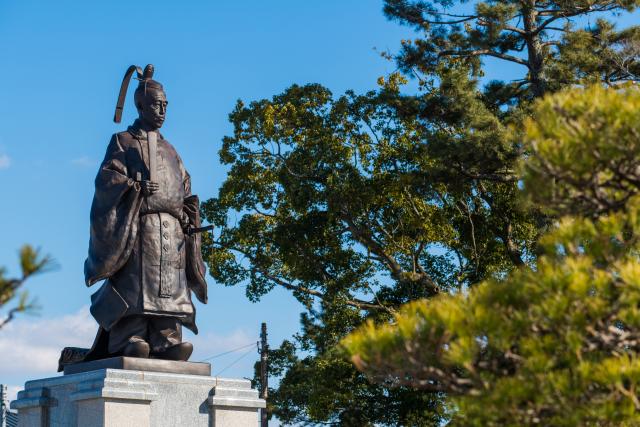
(184, 222)
(149, 187)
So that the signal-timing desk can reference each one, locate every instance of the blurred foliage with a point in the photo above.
(590, 147)
(556, 344)
(360, 203)
(31, 263)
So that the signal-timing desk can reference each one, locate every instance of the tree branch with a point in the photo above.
(354, 302)
(487, 52)
(351, 301)
(395, 268)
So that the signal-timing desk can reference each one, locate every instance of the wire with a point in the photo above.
(234, 362)
(227, 352)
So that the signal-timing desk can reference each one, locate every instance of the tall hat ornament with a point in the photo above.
(145, 77)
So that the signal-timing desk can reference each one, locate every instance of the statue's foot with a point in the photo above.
(180, 351)
(137, 349)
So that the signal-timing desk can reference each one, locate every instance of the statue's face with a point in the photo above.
(153, 109)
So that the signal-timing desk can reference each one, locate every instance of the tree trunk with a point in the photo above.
(535, 49)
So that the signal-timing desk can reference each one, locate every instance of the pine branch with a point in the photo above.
(487, 52)
(31, 263)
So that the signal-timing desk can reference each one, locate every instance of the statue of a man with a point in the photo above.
(142, 242)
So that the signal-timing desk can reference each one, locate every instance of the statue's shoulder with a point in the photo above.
(171, 150)
(168, 145)
(124, 138)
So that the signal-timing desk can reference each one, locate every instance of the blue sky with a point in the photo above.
(62, 64)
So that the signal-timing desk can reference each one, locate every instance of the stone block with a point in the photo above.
(122, 398)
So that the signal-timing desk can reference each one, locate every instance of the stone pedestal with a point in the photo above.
(122, 398)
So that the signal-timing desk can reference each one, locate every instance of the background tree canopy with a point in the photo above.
(558, 344)
(360, 203)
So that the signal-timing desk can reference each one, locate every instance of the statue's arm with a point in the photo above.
(186, 178)
(113, 170)
(114, 212)
(187, 219)
(195, 268)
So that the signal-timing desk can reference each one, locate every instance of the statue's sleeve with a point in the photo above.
(186, 180)
(195, 267)
(114, 216)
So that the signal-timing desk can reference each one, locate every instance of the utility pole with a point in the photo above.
(264, 377)
(3, 405)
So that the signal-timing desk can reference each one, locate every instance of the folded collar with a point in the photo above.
(136, 130)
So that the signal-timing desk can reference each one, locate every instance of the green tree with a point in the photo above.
(552, 41)
(31, 263)
(360, 203)
(557, 344)
(329, 215)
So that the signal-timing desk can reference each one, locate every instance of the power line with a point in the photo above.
(227, 352)
(234, 362)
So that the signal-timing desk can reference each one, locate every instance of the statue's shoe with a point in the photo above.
(180, 351)
(137, 349)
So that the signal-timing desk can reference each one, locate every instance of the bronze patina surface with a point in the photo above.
(144, 244)
(141, 364)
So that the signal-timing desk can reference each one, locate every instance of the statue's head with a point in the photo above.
(151, 103)
(149, 97)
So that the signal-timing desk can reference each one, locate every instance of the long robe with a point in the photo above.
(137, 243)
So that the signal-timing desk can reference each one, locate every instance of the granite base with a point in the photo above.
(123, 398)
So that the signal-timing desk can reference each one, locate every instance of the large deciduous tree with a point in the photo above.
(360, 203)
(555, 345)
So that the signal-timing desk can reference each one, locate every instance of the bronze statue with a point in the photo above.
(144, 240)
